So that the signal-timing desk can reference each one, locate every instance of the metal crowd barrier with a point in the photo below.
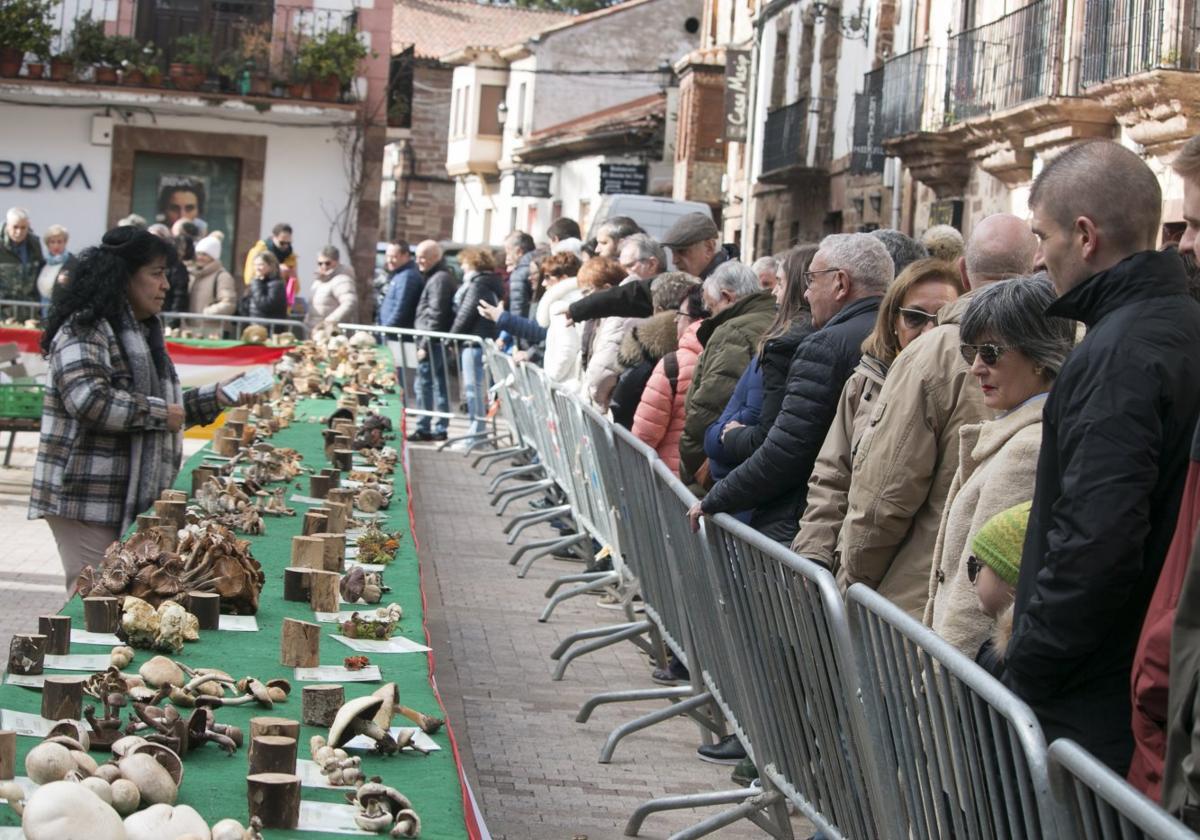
(1101, 805)
(217, 324)
(24, 310)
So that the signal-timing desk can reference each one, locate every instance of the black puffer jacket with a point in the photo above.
(640, 351)
(626, 300)
(1115, 440)
(267, 297)
(435, 308)
(740, 444)
(484, 286)
(773, 481)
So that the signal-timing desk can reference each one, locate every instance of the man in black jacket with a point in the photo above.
(847, 279)
(1115, 442)
(518, 254)
(435, 313)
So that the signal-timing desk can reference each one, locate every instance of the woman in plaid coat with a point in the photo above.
(111, 437)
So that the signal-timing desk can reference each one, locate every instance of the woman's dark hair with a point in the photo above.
(177, 185)
(1013, 313)
(792, 265)
(99, 287)
(695, 302)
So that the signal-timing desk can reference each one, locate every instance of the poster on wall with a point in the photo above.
(170, 188)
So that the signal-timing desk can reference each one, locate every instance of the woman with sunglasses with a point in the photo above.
(334, 294)
(1015, 351)
(909, 309)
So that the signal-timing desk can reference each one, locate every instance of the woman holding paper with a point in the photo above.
(113, 415)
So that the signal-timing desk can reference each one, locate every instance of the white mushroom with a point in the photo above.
(125, 796)
(164, 822)
(69, 811)
(48, 762)
(153, 781)
(99, 787)
(160, 671)
(229, 830)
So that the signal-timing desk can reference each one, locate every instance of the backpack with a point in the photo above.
(671, 369)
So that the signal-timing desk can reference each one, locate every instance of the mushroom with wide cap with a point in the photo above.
(378, 806)
(252, 691)
(153, 781)
(356, 718)
(69, 811)
(165, 822)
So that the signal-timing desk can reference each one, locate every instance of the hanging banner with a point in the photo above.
(866, 154)
(737, 94)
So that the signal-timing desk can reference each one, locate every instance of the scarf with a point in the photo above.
(281, 252)
(154, 454)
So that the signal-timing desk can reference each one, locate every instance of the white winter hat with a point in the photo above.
(210, 245)
(570, 245)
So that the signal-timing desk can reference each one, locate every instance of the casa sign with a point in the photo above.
(28, 175)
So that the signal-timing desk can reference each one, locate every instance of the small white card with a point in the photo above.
(9, 833)
(254, 381)
(366, 567)
(85, 637)
(238, 623)
(369, 517)
(351, 550)
(26, 680)
(78, 662)
(331, 617)
(211, 457)
(338, 674)
(329, 817)
(364, 467)
(26, 723)
(396, 644)
(312, 777)
(419, 738)
(306, 500)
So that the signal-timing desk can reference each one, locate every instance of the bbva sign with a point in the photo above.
(25, 175)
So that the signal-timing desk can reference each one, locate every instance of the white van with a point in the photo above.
(655, 215)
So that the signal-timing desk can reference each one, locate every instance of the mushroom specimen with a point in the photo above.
(153, 781)
(165, 822)
(390, 693)
(376, 546)
(381, 808)
(160, 671)
(202, 727)
(69, 811)
(360, 586)
(335, 764)
(49, 762)
(356, 717)
(165, 629)
(379, 624)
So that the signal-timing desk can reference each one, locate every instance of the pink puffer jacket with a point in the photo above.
(659, 418)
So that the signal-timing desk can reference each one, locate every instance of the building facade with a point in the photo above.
(243, 146)
(543, 127)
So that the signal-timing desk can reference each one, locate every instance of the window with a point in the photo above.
(400, 90)
(779, 69)
(490, 97)
(487, 225)
(512, 221)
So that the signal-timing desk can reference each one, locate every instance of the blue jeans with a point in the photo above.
(475, 384)
(431, 388)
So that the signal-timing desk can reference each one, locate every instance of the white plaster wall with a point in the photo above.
(304, 182)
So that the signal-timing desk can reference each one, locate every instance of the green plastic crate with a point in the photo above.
(20, 399)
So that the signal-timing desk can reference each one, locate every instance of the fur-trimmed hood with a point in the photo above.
(1003, 631)
(650, 340)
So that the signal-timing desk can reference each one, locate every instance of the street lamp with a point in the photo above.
(502, 114)
(854, 27)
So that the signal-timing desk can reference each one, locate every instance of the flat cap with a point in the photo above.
(690, 229)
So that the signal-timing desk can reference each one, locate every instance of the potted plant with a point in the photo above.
(330, 61)
(192, 60)
(89, 43)
(255, 51)
(24, 28)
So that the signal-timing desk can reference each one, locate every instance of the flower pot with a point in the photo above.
(60, 69)
(35, 70)
(187, 76)
(154, 79)
(105, 75)
(11, 60)
(296, 90)
(133, 77)
(327, 89)
(260, 86)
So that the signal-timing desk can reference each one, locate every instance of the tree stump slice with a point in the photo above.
(272, 754)
(343, 459)
(274, 798)
(323, 595)
(8, 755)
(295, 583)
(148, 522)
(334, 557)
(318, 486)
(27, 653)
(62, 698)
(336, 518)
(300, 644)
(320, 703)
(314, 523)
(57, 630)
(308, 552)
(206, 606)
(101, 614)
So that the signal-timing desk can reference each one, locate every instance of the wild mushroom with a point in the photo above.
(66, 809)
(125, 796)
(153, 781)
(390, 692)
(279, 689)
(74, 731)
(408, 824)
(164, 822)
(338, 767)
(252, 691)
(201, 729)
(99, 787)
(370, 500)
(356, 718)
(48, 762)
(166, 757)
(378, 806)
(160, 671)
(12, 793)
(232, 830)
(121, 656)
(210, 681)
(352, 585)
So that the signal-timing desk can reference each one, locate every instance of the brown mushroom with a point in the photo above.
(356, 718)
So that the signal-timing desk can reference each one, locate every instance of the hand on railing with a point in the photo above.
(694, 513)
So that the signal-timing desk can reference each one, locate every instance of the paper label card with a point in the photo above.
(338, 674)
(329, 817)
(396, 644)
(84, 637)
(78, 662)
(26, 680)
(312, 777)
(27, 723)
(366, 567)
(306, 500)
(419, 739)
(238, 623)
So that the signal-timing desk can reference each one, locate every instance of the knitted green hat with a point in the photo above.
(999, 542)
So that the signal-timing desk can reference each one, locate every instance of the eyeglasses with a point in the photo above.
(989, 353)
(973, 567)
(916, 319)
(807, 276)
(700, 316)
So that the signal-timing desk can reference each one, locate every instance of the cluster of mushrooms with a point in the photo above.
(225, 501)
(359, 586)
(164, 629)
(377, 546)
(379, 624)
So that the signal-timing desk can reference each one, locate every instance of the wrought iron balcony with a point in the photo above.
(785, 143)
(913, 98)
(1001, 64)
(1125, 37)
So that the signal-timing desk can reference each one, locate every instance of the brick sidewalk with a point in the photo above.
(533, 769)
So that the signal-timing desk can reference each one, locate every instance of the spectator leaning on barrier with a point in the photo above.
(604, 366)
(435, 313)
(1016, 352)
(741, 314)
(334, 294)
(1115, 439)
(909, 309)
(561, 358)
(846, 281)
(518, 254)
(481, 285)
(21, 257)
(658, 421)
(279, 243)
(642, 258)
(695, 244)
(1168, 652)
(943, 242)
(907, 457)
(405, 284)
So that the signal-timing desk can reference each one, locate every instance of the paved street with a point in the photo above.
(534, 769)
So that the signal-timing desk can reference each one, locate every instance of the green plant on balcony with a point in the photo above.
(89, 43)
(332, 54)
(195, 49)
(24, 28)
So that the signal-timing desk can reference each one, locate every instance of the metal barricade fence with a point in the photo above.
(1101, 805)
(787, 667)
(22, 310)
(967, 755)
(216, 325)
(589, 512)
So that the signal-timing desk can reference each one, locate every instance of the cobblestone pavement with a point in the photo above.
(533, 768)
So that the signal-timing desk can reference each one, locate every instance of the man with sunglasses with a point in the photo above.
(908, 455)
(1115, 438)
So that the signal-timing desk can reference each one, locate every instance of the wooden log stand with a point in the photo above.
(315, 522)
(57, 630)
(8, 755)
(272, 754)
(318, 486)
(274, 798)
(308, 552)
(341, 495)
(101, 614)
(300, 644)
(320, 703)
(323, 591)
(267, 725)
(343, 459)
(206, 606)
(62, 698)
(27, 654)
(148, 522)
(295, 583)
(334, 556)
(171, 512)
(336, 518)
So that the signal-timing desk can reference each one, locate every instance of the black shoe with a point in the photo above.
(438, 436)
(419, 436)
(674, 674)
(542, 503)
(726, 751)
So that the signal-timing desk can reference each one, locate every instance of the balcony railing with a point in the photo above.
(784, 145)
(1003, 63)
(1124, 37)
(912, 95)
